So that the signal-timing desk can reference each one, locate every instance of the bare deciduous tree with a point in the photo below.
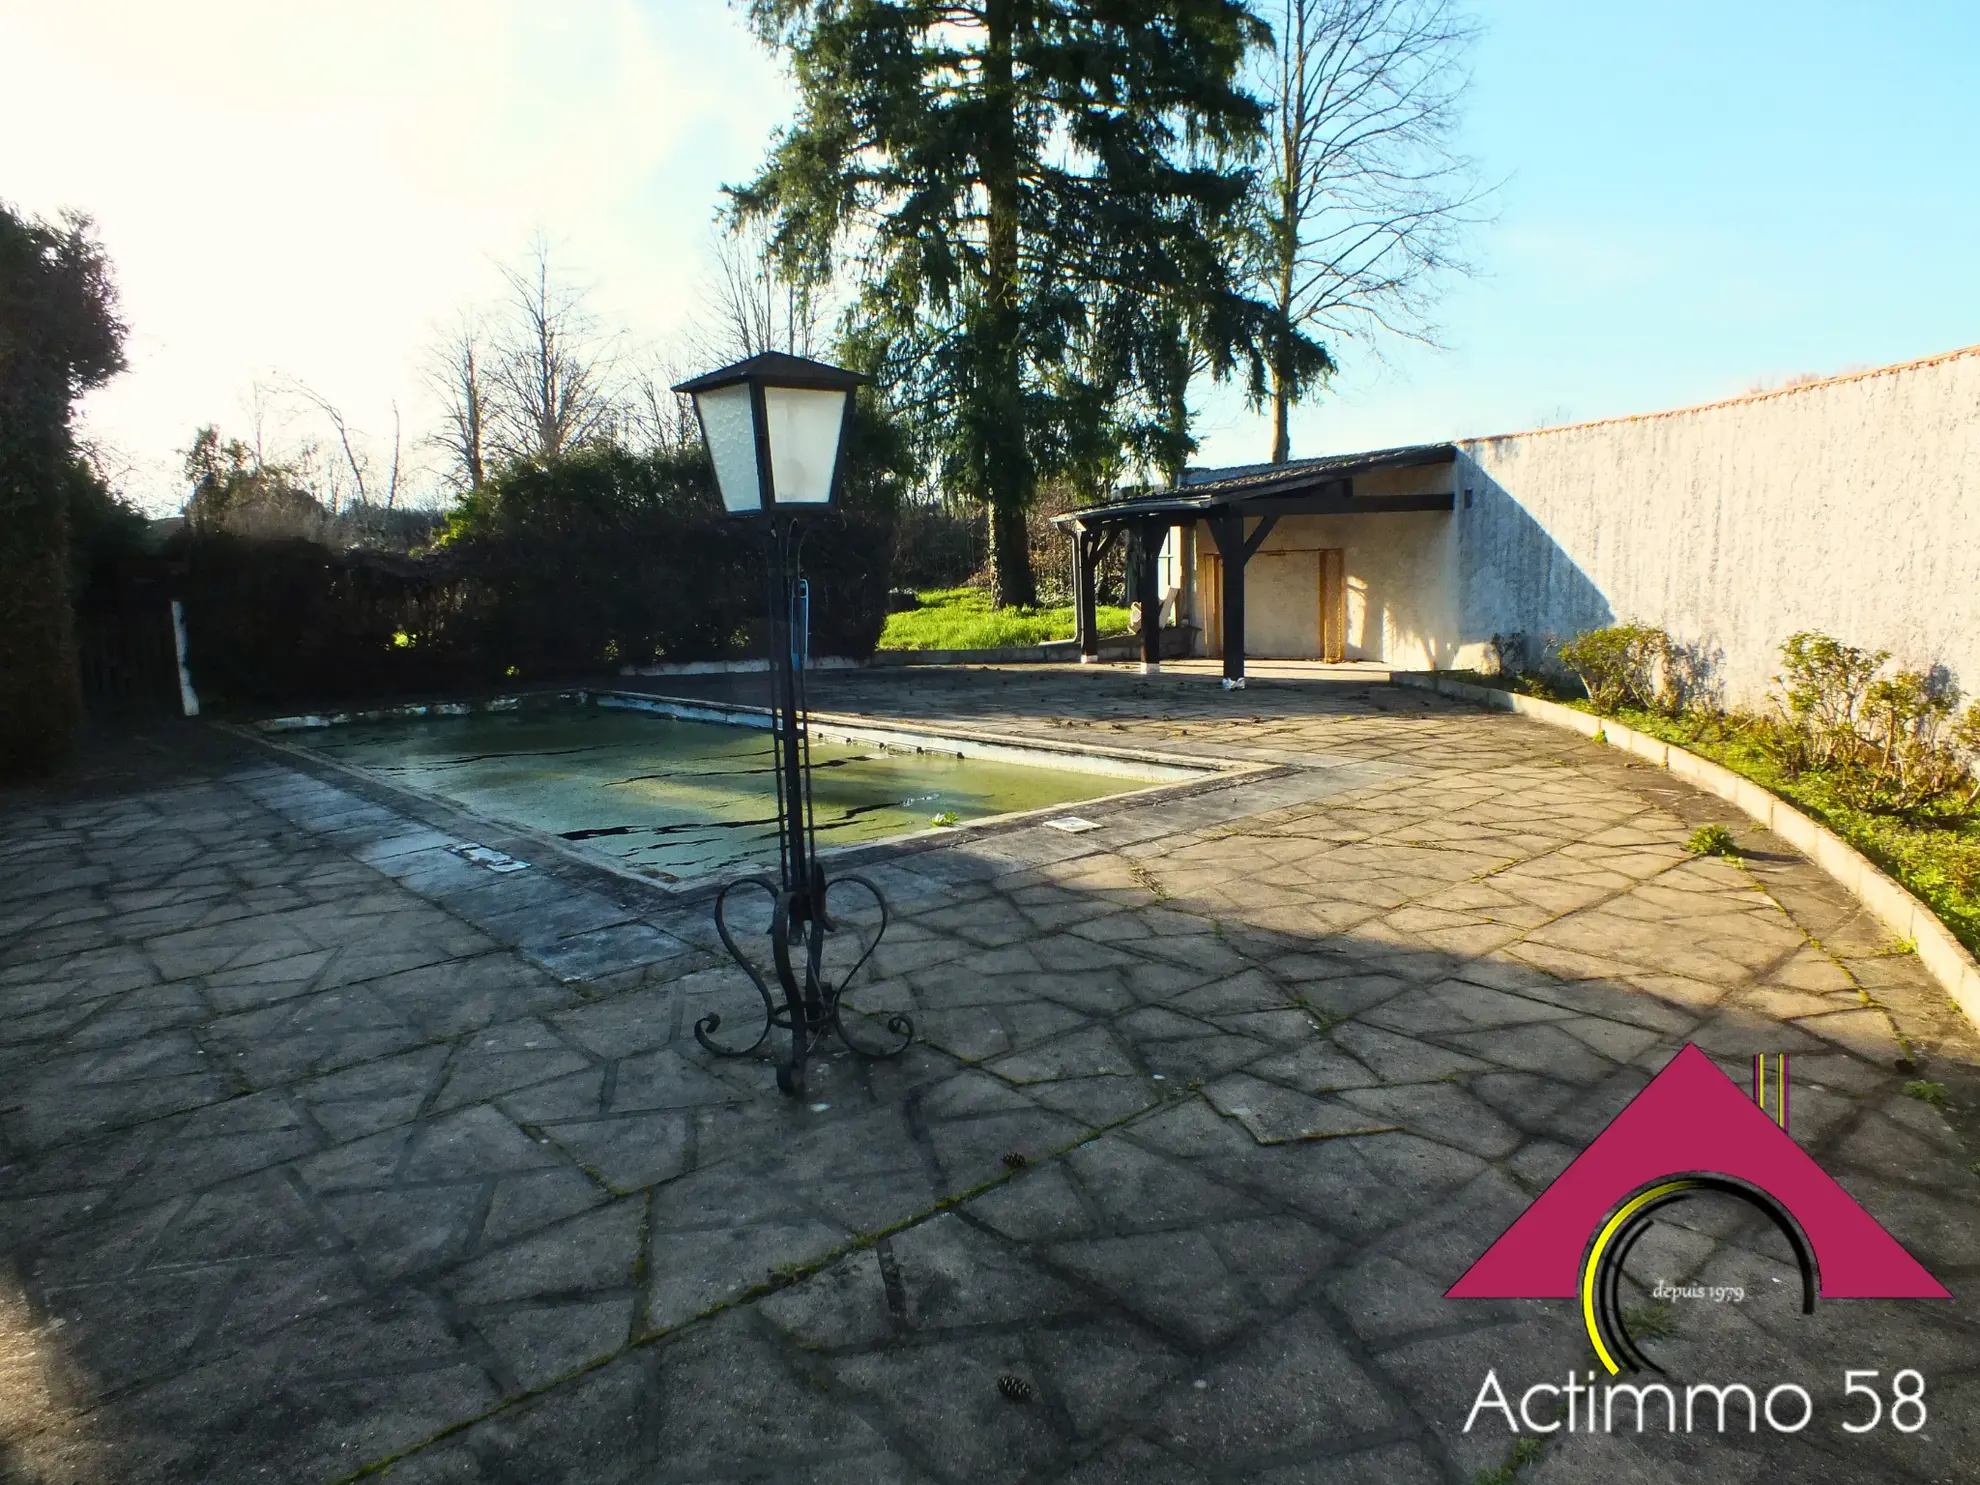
(1366, 198)
(398, 441)
(459, 375)
(263, 403)
(756, 304)
(356, 475)
(552, 372)
(651, 414)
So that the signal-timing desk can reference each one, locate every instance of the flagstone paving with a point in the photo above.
(329, 1152)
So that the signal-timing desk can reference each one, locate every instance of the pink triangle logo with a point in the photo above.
(1692, 1120)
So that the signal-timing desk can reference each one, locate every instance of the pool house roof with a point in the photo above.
(1323, 486)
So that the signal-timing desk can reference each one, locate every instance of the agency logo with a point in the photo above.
(1690, 1131)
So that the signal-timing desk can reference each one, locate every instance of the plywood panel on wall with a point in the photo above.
(1282, 593)
(1210, 596)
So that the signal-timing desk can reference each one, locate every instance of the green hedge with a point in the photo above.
(553, 570)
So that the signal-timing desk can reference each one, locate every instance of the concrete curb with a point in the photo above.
(1059, 651)
(1945, 958)
(1112, 647)
(1051, 650)
(737, 667)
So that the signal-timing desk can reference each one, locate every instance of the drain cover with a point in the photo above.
(487, 856)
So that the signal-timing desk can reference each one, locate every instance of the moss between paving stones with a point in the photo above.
(1938, 863)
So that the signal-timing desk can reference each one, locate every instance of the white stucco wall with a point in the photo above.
(1850, 506)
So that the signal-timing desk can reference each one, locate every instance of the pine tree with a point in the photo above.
(1034, 198)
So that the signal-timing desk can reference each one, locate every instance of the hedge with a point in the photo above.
(553, 570)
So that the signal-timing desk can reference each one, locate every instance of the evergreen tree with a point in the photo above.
(59, 336)
(1035, 197)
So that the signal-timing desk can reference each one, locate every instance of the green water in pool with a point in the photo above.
(673, 799)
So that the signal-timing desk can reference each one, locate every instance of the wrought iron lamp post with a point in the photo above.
(774, 425)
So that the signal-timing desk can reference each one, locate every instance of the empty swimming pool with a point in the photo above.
(674, 799)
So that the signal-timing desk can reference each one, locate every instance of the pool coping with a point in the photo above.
(851, 726)
(990, 746)
(1192, 775)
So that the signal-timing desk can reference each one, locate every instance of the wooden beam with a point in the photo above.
(1335, 505)
(1086, 621)
(1228, 531)
(1257, 538)
(1113, 534)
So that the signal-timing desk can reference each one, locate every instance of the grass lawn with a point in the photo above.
(962, 619)
(1937, 861)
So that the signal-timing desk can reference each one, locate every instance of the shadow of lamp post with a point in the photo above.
(774, 425)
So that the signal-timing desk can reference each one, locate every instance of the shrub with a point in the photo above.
(1624, 665)
(1906, 717)
(601, 557)
(1824, 681)
(1887, 743)
(1966, 737)
(1887, 761)
(1713, 840)
(236, 493)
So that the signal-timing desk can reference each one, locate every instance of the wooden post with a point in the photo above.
(1149, 560)
(1085, 610)
(1229, 533)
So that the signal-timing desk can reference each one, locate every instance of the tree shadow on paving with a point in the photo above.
(1251, 1163)
(1249, 1158)
(1193, 1139)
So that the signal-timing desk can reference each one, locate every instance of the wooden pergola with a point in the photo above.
(1240, 507)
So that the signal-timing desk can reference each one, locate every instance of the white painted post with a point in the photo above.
(187, 699)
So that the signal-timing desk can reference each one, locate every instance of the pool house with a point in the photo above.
(1352, 557)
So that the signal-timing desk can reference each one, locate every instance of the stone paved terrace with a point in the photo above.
(326, 1152)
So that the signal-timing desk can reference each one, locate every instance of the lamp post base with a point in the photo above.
(813, 1003)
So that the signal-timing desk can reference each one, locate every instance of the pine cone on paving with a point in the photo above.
(1014, 1388)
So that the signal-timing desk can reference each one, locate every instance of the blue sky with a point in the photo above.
(1698, 198)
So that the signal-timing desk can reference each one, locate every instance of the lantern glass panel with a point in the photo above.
(731, 434)
(805, 424)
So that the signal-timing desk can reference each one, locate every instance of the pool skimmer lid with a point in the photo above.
(1073, 824)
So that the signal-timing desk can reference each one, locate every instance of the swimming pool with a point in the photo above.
(673, 799)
